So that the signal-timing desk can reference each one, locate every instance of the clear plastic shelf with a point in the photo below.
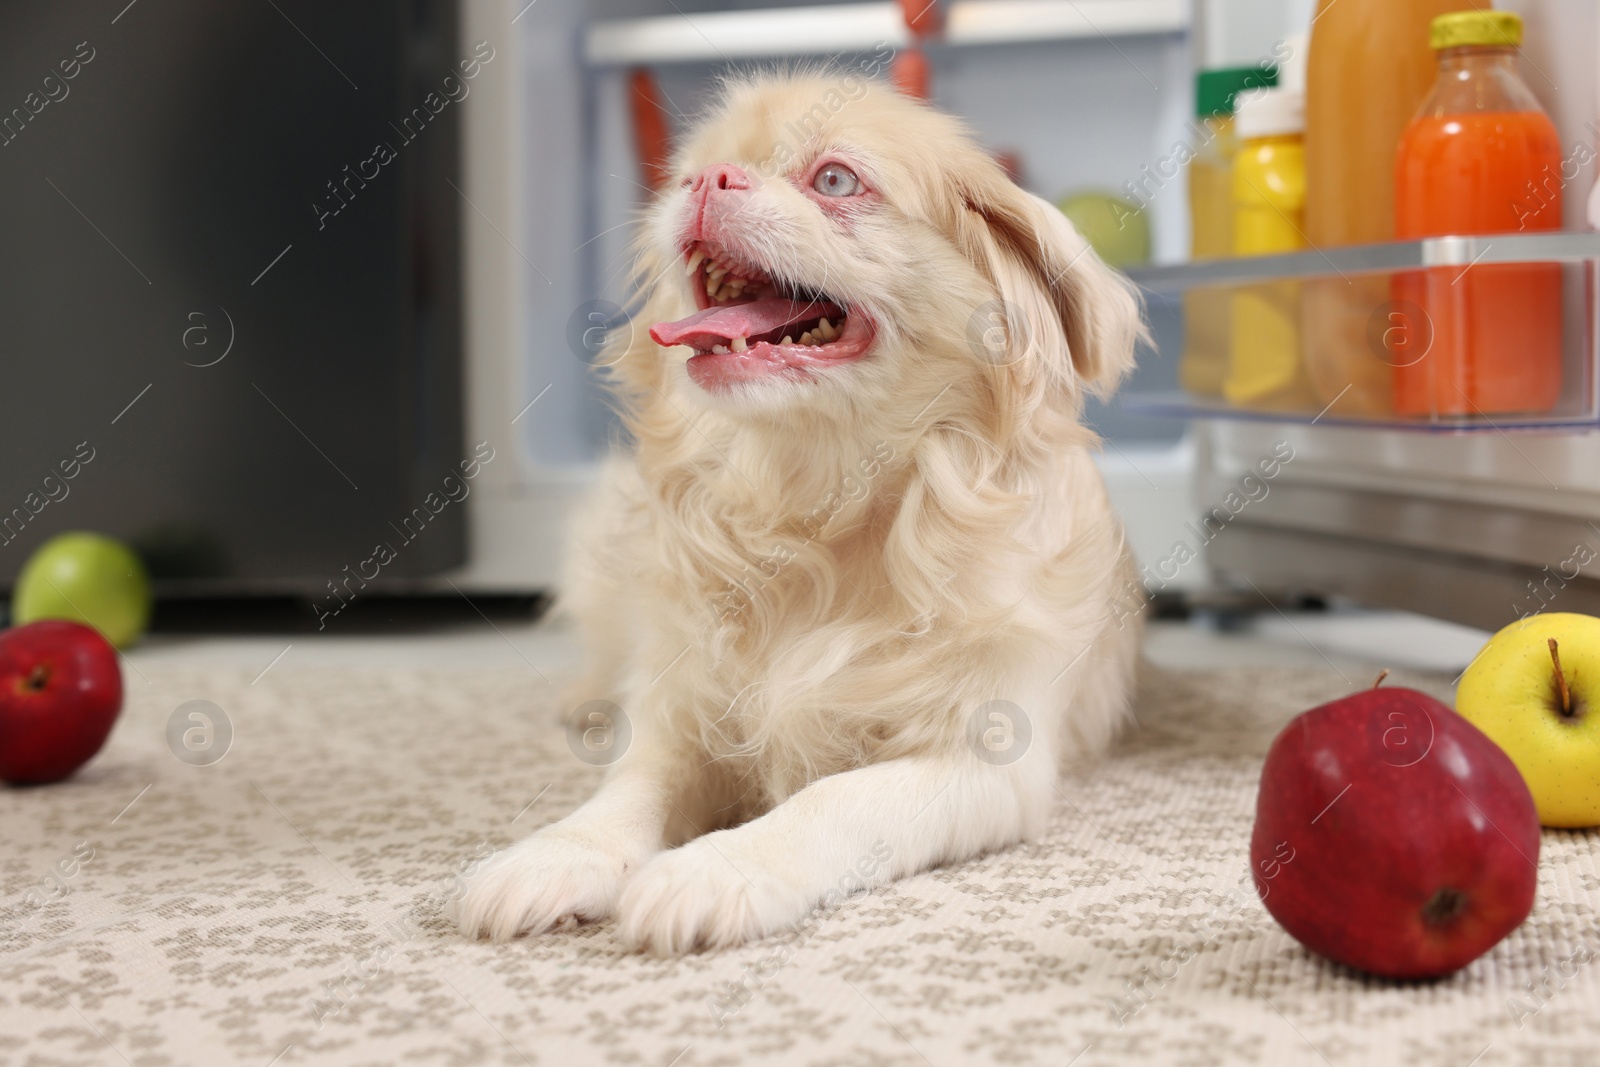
(1449, 334)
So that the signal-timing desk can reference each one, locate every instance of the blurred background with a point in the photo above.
(289, 283)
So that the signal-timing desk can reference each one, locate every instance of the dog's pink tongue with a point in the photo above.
(721, 324)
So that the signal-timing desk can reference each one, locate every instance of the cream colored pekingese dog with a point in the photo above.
(858, 590)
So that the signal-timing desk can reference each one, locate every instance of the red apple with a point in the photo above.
(1393, 836)
(60, 692)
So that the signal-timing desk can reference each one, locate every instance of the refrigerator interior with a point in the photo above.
(1083, 109)
(1090, 111)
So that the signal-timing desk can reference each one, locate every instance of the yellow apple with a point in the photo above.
(1535, 690)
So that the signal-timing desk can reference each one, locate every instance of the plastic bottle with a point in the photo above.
(1368, 69)
(1470, 162)
(1206, 334)
(1265, 365)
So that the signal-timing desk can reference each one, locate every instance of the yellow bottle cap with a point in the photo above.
(1467, 28)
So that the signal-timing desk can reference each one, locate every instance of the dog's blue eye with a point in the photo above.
(836, 180)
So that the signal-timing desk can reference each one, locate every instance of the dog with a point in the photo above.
(858, 592)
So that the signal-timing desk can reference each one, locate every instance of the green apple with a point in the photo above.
(1118, 231)
(1535, 690)
(87, 578)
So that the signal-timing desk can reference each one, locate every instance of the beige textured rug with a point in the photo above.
(279, 907)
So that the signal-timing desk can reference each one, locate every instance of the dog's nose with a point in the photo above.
(715, 197)
(720, 177)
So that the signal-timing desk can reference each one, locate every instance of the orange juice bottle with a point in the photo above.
(1466, 165)
(1368, 69)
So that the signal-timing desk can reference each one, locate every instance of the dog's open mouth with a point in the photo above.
(751, 326)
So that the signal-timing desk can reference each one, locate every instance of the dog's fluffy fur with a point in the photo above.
(806, 593)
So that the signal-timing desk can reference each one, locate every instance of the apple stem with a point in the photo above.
(38, 677)
(1561, 679)
(1381, 676)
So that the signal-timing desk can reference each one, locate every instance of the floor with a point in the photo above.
(283, 906)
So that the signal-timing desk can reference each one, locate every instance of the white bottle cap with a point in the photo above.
(1269, 113)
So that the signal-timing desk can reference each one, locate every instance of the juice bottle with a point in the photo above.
(1265, 364)
(1369, 67)
(1206, 336)
(1465, 165)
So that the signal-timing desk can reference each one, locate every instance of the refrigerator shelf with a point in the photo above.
(1482, 319)
(1465, 251)
(1180, 405)
(727, 36)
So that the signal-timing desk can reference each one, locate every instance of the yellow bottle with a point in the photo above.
(1206, 331)
(1265, 366)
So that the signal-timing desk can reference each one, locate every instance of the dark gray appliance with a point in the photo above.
(218, 287)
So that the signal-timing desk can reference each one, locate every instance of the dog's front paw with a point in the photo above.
(555, 875)
(708, 894)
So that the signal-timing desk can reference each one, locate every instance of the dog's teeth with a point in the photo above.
(787, 340)
(740, 344)
(711, 287)
(719, 350)
(737, 283)
(825, 328)
(719, 273)
(805, 338)
(695, 260)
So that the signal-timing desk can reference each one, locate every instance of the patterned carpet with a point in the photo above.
(280, 906)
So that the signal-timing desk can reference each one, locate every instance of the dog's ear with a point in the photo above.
(1047, 275)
